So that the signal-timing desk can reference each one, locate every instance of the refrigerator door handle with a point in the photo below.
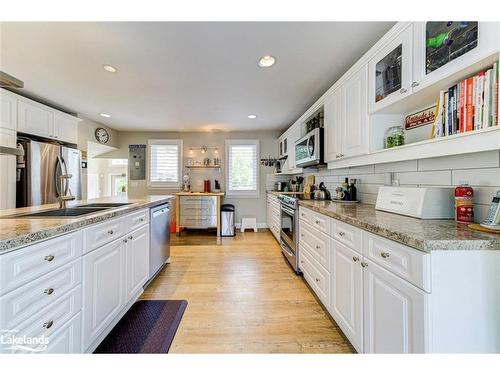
(65, 171)
(58, 168)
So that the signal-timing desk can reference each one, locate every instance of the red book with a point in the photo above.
(461, 111)
(470, 104)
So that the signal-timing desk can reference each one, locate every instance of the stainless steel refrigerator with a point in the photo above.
(38, 172)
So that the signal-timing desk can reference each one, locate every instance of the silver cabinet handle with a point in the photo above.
(49, 258)
(402, 91)
(130, 237)
(341, 155)
(415, 84)
(318, 222)
(125, 240)
(364, 264)
(49, 291)
(384, 254)
(110, 232)
(48, 324)
(318, 280)
(341, 234)
(302, 235)
(141, 219)
(318, 247)
(355, 259)
(337, 156)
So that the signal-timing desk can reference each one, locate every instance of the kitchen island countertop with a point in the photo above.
(21, 231)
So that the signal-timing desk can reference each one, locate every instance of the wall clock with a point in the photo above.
(102, 135)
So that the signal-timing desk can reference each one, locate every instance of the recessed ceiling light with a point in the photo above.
(109, 68)
(252, 116)
(266, 61)
(104, 115)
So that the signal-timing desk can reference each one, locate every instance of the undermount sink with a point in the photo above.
(62, 212)
(106, 205)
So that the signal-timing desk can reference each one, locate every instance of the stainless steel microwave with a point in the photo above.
(309, 149)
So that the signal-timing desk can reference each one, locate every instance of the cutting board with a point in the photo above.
(483, 229)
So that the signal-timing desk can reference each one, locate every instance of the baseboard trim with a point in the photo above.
(259, 225)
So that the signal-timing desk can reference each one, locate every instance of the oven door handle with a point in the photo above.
(284, 248)
(288, 211)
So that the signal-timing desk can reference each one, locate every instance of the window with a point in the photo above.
(242, 177)
(165, 156)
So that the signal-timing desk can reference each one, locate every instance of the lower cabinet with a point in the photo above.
(103, 288)
(67, 339)
(394, 313)
(347, 293)
(137, 261)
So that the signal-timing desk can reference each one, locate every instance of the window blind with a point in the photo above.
(242, 167)
(164, 163)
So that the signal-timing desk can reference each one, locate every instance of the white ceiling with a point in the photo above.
(184, 76)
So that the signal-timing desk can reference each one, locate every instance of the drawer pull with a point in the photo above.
(49, 258)
(110, 232)
(341, 234)
(318, 222)
(303, 215)
(141, 219)
(384, 254)
(125, 240)
(49, 291)
(355, 259)
(130, 237)
(318, 280)
(302, 235)
(318, 247)
(364, 264)
(48, 324)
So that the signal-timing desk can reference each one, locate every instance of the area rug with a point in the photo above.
(148, 327)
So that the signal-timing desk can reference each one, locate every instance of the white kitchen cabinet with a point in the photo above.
(104, 276)
(8, 110)
(65, 127)
(67, 339)
(8, 182)
(390, 71)
(333, 126)
(347, 293)
(293, 135)
(273, 215)
(394, 313)
(425, 73)
(137, 261)
(34, 118)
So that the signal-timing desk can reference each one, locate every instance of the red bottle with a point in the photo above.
(464, 204)
(206, 186)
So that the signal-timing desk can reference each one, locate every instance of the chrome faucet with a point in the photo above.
(63, 188)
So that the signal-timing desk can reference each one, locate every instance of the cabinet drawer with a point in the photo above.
(103, 233)
(22, 303)
(304, 215)
(61, 323)
(198, 222)
(317, 277)
(200, 200)
(22, 266)
(136, 220)
(198, 211)
(317, 243)
(320, 222)
(347, 234)
(410, 264)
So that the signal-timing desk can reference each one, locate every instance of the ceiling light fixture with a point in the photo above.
(109, 68)
(216, 151)
(104, 115)
(203, 149)
(267, 61)
(252, 116)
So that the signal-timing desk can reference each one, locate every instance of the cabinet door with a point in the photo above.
(8, 110)
(333, 124)
(444, 48)
(137, 260)
(394, 313)
(354, 128)
(390, 71)
(65, 128)
(347, 293)
(8, 182)
(103, 288)
(34, 118)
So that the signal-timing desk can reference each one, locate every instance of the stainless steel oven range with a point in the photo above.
(289, 231)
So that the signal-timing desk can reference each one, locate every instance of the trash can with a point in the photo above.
(227, 220)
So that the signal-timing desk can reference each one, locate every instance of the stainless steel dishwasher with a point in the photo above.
(159, 250)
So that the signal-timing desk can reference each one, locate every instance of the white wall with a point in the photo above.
(481, 170)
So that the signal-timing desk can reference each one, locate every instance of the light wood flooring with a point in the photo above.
(242, 298)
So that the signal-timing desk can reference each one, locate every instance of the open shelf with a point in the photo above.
(203, 166)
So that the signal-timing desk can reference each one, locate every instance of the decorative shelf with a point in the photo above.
(203, 166)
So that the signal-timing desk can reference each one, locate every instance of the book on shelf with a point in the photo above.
(471, 104)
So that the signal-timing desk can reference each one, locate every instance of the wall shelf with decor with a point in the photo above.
(203, 166)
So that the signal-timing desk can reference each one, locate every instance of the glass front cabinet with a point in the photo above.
(390, 71)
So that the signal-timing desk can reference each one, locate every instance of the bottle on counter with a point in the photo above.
(351, 189)
(464, 203)
(345, 188)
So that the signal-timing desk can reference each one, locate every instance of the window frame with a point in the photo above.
(164, 185)
(242, 193)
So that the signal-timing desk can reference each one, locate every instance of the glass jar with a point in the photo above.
(394, 136)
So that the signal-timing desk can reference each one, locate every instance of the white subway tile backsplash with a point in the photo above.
(427, 178)
(400, 166)
(479, 177)
(484, 195)
(485, 159)
(375, 178)
(362, 169)
(339, 171)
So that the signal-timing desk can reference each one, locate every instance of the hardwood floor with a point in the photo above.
(242, 298)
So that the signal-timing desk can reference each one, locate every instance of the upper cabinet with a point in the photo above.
(8, 112)
(390, 71)
(43, 121)
(444, 47)
(346, 118)
(286, 147)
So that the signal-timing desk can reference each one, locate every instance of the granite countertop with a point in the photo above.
(195, 193)
(423, 235)
(19, 232)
